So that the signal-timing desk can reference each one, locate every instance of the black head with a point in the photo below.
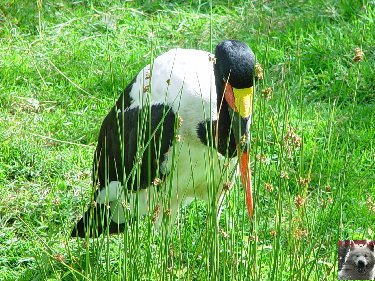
(236, 61)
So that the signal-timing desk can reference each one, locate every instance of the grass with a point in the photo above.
(62, 66)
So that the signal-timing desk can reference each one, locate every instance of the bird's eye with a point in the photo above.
(365, 255)
(357, 256)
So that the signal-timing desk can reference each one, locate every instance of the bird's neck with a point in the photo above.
(217, 132)
(224, 138)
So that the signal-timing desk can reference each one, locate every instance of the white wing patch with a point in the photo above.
(121, 201)
(111, 193)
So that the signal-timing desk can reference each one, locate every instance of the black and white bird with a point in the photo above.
(172, 136)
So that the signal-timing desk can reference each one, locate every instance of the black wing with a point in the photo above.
(127, 138)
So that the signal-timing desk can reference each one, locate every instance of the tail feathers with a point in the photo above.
(95, 221)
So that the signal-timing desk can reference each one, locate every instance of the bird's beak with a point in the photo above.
(241, 118)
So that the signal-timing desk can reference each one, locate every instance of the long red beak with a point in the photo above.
(246, 180)
(240, 108)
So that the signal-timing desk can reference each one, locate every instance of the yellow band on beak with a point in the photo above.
(243, 99)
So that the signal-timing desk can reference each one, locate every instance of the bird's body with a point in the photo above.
(169, 76)
(162, 145)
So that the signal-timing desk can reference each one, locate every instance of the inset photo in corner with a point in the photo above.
(356, 259)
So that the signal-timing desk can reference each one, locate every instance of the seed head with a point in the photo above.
(155, 214)
(125, 205)
(304, 181)
(299, 201)
(258, 71)
(244, 140)
(292, 139)
(139, 159)
(328, 188)
(56, 202)
(147, 75)
(267, 93)
(273, 233)
(284, 175)
(223, 233)
(167, 212)
(358, 55)
(156, 181)
(268, 186)
(251, 238)
(300, 233)
(60, 258)
(146, 88)
(263, 158)
(227, 186)
(180, 120)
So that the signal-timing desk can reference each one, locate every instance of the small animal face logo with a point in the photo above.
(361, 257)
(356, 260)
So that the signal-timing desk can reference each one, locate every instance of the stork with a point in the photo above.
(187, 113)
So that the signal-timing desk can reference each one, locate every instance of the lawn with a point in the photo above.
(64, 63)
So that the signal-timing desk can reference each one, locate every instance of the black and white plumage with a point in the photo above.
(187, 100)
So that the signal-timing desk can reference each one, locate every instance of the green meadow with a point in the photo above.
(63, 65)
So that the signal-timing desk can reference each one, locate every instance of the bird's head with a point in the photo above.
(234, 75)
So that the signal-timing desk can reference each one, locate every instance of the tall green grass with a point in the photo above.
(62, 66)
